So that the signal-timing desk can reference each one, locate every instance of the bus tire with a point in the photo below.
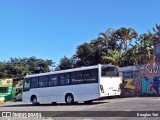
(34, 100)
(14, 99)
(69, 99)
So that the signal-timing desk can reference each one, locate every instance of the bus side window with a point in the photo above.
(77, 77)
(34, 82)
(43, 81)
(61, 79)
(67, 78)
(53, 80)
(94, 76)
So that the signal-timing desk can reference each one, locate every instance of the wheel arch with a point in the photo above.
(32, 96)
(68, 94)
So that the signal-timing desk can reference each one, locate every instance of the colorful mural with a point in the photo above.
(157, 51)
(154, 77)
(131, 83)
(6, 86)
(136, 82)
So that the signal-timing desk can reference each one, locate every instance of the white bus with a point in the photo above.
(73, 85)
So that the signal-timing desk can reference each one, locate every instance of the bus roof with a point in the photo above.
(65, 71)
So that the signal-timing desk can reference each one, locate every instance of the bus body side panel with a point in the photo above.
(86, 92)
(82, 92)
(56, 94)
(26, 97)
(42, 94)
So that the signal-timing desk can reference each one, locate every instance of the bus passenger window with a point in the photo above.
(67, 78)
(77, 77)
(43, 81)
(61, 79)
(53, 80)
(34, 82)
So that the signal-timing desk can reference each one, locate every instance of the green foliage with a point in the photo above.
(65, 63)
(88, 54)
(116, 57)
(125, 36)
(116, 47)
(17, 68)
(156, 37)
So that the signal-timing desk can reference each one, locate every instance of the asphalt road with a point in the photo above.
(123, 105)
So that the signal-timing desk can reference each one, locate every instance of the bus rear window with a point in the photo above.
(109, 71)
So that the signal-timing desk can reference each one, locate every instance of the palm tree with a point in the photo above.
(146, 46)
(124, 35)
(156, 37)
(108, 39)
(104, 43)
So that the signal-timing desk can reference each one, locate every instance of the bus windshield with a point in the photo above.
(109, 71)
(26, 85)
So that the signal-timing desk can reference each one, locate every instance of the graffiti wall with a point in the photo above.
(132, 85)
(157, 52)
(136, 83)
(144, 80)
(152, 72)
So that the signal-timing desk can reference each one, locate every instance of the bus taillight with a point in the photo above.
(101, 87)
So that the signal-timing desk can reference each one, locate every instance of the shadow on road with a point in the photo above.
(57, 104)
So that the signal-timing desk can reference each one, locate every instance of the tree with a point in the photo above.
(116, 57)
(108, 39)
(3, 72)
(156, 37)
(65, 63)
(88, 54)
(17, 68)
(124, 36)
(146, 47)
(84, 54)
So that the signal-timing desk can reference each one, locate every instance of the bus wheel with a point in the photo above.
(14, 100)
(34, 100)
(69, 99)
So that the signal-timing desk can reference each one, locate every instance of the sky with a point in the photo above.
(52, 29)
